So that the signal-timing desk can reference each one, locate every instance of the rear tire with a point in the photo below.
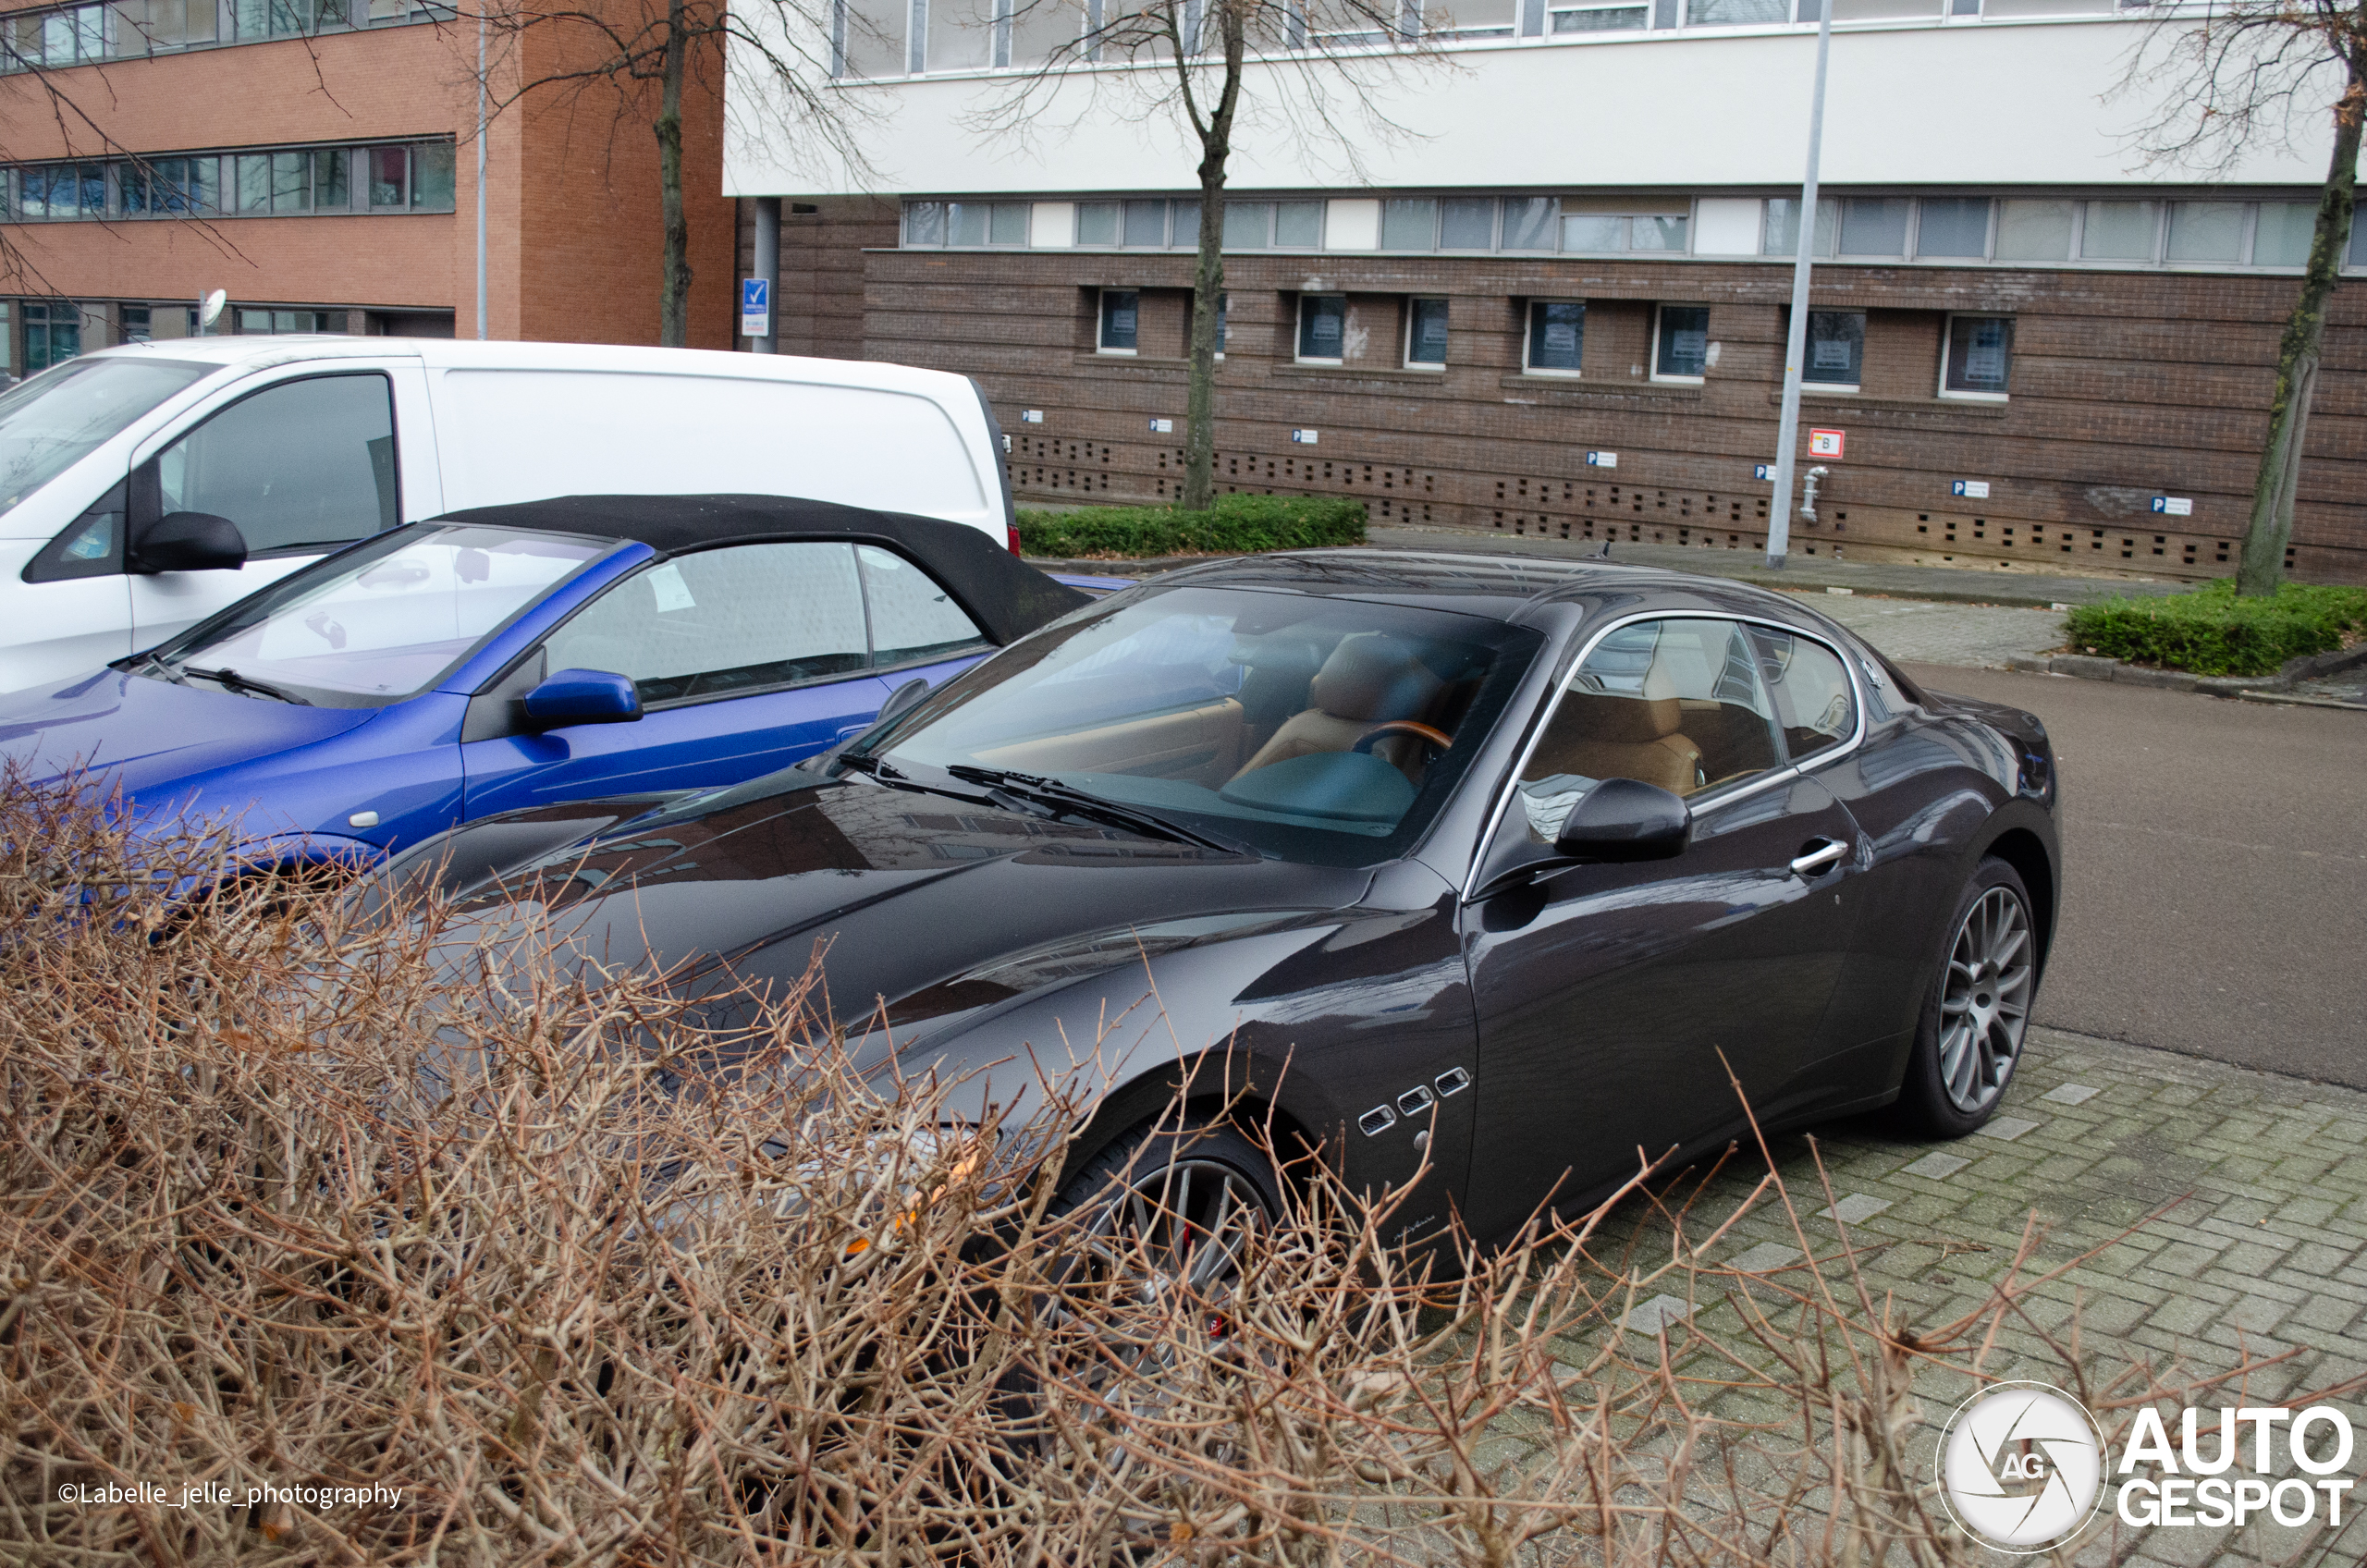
(1975, 1020)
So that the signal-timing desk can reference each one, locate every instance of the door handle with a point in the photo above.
(1827, 854)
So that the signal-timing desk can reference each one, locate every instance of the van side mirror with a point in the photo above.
(189, 542)
(1626, 819)
(582, 696)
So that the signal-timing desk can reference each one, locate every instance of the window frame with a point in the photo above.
(144, 504)
(1948, 356)
(1483, 849)
(1407, 361)
(1101, 345)
(1673, 378)
(1299, 356)
(1838, 388)
(1528, 341)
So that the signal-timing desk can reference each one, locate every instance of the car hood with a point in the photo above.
(896, 893)
(147, 734)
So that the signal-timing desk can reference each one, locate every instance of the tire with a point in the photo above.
(1975, 1020)
(1193, 1170)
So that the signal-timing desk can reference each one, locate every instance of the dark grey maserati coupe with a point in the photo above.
(1504, 862)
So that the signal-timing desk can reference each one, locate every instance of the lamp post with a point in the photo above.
(1787, 428)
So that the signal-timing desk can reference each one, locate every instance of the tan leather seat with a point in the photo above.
(1370, 680)
(1599, 735)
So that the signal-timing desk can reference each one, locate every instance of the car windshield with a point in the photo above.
(53, 421)
(1312, 728)
(378, 622)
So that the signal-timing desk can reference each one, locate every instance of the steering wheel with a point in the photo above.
(1438, 740)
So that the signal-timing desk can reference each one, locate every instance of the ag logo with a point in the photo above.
(2021, 1467)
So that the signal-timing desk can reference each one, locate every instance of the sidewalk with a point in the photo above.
(2262, 1253)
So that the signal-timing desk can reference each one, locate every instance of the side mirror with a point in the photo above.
(582, 696)
(1625, 819)
(190, 542)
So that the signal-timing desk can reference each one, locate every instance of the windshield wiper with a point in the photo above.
(1066, 799)
(162, 665)
(231, 681)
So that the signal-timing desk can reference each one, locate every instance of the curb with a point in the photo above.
(2258, 688)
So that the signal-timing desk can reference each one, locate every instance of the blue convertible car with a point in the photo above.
(524, 654)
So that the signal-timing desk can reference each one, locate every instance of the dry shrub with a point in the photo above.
(405, 1259)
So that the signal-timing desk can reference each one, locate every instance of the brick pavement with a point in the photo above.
(2265, 1251)
(1926, 631)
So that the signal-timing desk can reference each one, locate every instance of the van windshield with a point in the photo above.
(54, 419)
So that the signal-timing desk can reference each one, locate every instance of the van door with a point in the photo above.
(305, 464)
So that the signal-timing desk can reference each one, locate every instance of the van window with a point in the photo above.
(716, 623)
(52, 422)
(307, 462)
(522, 436)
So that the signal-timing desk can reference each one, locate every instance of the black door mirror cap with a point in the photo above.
(581, 696)
(189, 542)
(1623, 820)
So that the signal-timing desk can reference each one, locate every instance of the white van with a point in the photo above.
(306, 443)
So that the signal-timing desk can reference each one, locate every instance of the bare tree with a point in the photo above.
(2236, 78)
(641, 56)
(1310, 72)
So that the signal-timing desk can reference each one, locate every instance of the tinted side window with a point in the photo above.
(305, 462)
(1677, 703)
(911, 618)
(92, 545)
(717, 622)
(1813, 701)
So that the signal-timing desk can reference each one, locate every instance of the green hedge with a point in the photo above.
(2213, 632)
(1236, 525)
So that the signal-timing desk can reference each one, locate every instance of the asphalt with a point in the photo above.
(2214, 869)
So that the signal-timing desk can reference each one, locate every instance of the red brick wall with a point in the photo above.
(572, 226)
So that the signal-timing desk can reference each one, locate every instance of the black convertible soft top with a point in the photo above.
(1007, 597)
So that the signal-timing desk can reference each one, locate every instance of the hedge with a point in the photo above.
(2211, 632)
(1236, 525)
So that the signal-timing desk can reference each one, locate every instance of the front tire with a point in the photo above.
(1970, 1036)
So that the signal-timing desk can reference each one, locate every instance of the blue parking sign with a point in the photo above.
(755, 307)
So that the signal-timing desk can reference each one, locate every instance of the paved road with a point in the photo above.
(1924, 631)
(2215, 872)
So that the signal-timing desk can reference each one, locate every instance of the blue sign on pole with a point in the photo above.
(755, 307)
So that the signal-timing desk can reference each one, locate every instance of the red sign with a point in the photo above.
(1826, 443)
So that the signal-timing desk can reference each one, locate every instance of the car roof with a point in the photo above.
(1511, 588)
(259, 352)
(1007, 597)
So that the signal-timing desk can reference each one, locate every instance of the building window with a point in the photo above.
(1467, 224)
(1592, 233)
(256, 324)
(925, 223)
(274, 181)
(1146, 224)
(137, 325)
(2206, 231)
(1875, 226)
(52, 335)
(1680, 343)
(1409, 224)
(1836, 351)
(1323, 328)
(2120, 231)
(1600, 18)
(2282, 232)
(1224, 303)
(1952, 227)
(1980, 352)
(1781, 235)
(1248, 226)
(1557, 330)
(1530, 222)
(1298, 225)
(2035, 231)
(1426, 335)
(1256, 225)
(1122, 311)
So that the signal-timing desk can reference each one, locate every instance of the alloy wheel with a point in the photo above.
(1984, 1006)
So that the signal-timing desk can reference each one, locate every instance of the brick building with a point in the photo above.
(315, 159)
(1558, 303)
